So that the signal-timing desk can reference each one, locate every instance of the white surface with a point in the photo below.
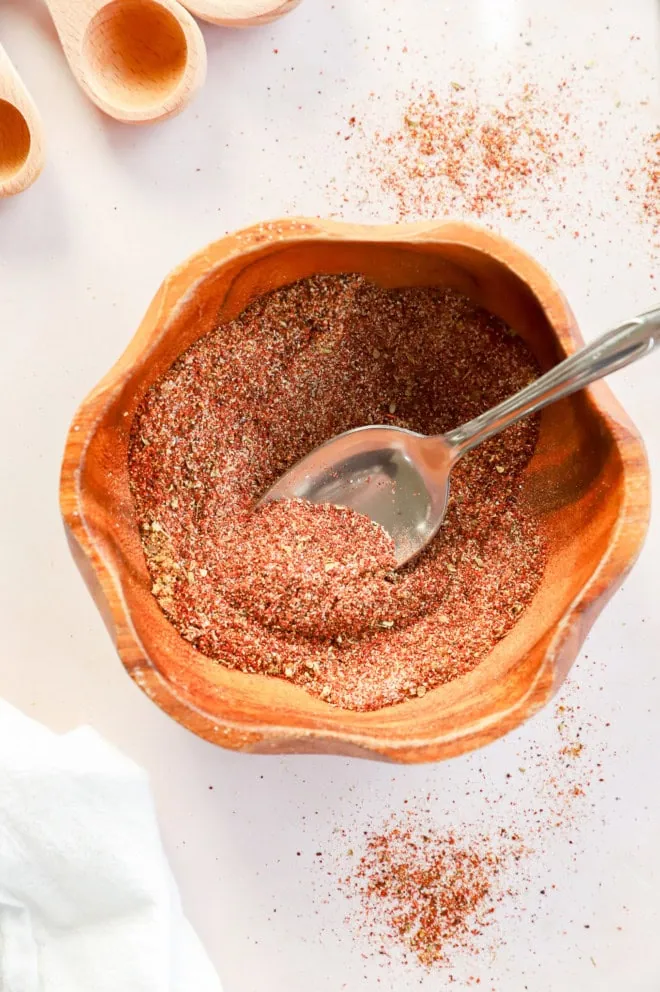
(81, 255)
(87, 900)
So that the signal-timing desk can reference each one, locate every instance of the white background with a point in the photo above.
(81, 255)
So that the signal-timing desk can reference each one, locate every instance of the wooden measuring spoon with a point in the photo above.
(239, 13)
(137, 60)
(21, 132)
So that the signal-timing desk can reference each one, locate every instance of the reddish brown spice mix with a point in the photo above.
(521, 153)
(643, 184)
(455, 154)
(651, 170)
(431, 894)
(310, 594)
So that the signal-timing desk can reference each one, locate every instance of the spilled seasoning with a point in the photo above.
(310, 594)
(650, 185)
(431, 893)
(446, 898)
(453, 154)
(525, 154)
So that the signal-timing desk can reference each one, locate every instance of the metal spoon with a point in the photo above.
(401, 479)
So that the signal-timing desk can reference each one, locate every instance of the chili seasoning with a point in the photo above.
(310, 594)
(455, 154)
(427, 892)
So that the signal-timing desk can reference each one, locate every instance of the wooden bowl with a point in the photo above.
(588, 481)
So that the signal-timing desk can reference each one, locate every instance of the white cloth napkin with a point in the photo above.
(87, 900)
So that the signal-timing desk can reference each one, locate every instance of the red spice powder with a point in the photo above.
(428, 893)
(310, 594)
(432, 895)
(651, 171)
(643, 183)
(454, 154)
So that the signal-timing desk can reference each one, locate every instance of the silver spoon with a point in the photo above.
(401, 479)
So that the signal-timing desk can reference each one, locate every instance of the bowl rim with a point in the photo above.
(563, 639)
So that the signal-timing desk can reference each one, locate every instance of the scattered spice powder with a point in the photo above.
(651, 172)
(643, 185)
(440, 897)
(431, 893)
(456, 154)
(310, 594)
(528, 153)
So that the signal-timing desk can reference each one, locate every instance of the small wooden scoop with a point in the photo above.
(137, 60)
(21, 132)
(239, 13)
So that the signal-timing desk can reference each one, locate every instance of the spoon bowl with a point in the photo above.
(137, 60)
(21, 132)
(397, 477)
(400, 479)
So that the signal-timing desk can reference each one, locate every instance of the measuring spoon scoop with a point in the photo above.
(137, 60)
(21, 132)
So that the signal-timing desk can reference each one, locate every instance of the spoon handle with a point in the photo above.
(613, 350)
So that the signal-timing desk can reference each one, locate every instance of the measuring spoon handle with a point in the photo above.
(613, 350)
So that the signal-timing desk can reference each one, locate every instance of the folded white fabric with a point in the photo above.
(87, 900)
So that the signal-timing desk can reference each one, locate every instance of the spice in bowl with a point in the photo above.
(307, 593)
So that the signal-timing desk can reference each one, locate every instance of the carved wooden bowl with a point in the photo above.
(588, 480)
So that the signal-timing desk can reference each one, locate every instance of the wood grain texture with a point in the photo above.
(21, 132)
(588, 482)
(240, 13)
(139, 61)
